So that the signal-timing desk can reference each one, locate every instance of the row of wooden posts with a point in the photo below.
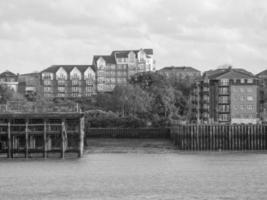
(62, 136)
(245, 137)
(12, 137)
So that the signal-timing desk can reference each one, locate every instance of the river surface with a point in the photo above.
(143, 171)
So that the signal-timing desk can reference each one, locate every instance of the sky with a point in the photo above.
(205, 34)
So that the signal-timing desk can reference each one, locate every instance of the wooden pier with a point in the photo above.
(44, 134)
(245, 137)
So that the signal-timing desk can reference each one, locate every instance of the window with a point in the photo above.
(250, 80)
(250, 98)
(47, 82)
(224, 82)
(242, 80)
(249, 107)
(89, 82)
(47, 89)
(61, 76)
(224, 117)
(224, 99)
(223, 91)
(61, 89)
(61, 82)
(75, 82)
(76, 89)
(61, 94)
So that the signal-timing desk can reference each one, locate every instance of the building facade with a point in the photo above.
(10, 80)
(263, 79)
(180, 72)
(116, 68)
(69, 81)
(226, 96)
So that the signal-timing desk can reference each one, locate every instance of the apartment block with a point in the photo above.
(69, 81)
(116, 68)
(226, 96)
(263, 79)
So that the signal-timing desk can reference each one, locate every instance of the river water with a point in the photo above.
(141, 172)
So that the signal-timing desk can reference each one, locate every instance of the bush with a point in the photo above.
(102, 119)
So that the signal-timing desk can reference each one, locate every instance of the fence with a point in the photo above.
(219, 137)
(128, 133)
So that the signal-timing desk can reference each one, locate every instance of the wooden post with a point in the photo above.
(63, 128)
(81, 141)
(45, 140)
(9, 153)
(27, 138)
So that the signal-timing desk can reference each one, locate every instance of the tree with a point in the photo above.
(5, 94)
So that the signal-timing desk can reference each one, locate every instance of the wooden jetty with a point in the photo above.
(29, 134)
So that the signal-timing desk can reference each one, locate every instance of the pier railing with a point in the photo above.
(32, 107)
(243, 137)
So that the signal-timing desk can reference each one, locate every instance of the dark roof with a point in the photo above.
(179, 68)
(111, 59)
(229, 73)
(7, 74)
(263, 73)
(107, 58)
(68, 68)
(124, 53)
(34, 74)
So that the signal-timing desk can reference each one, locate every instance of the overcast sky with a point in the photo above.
(205, 34)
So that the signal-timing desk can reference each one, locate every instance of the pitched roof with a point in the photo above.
(229, 73)
(107, 58)
(126, 52)
(68, 68)
(111, 59)
(179, 68)
(263, 73)
(7, 74)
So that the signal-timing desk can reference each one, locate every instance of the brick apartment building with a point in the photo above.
(180, 72)
(116, 68)
(68, 81)
(263, 78)
(226, 96)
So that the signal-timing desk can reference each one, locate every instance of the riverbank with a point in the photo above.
(112, 145)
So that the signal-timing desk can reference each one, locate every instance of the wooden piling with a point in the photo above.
(63, 129)
(27, 138)
(45, 140)
(9, 142)
(81, 137)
